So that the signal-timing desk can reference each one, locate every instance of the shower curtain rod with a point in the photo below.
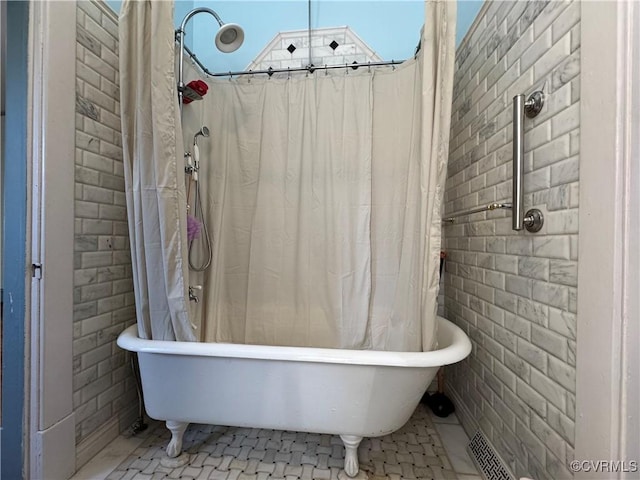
(271, 71)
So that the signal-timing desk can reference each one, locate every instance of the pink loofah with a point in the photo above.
(193, 227)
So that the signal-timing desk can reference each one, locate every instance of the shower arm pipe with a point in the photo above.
(195, 58)
(180, 33)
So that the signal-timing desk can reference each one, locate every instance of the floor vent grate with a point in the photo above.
(487, 460)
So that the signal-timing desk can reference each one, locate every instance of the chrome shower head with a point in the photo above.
(204, 132)
(229, 37)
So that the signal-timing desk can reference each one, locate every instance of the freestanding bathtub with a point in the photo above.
(351, 393)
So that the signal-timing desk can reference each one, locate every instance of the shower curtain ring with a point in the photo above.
(326, 70)
(288, 73)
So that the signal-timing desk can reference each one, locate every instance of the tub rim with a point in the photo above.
(454, 345)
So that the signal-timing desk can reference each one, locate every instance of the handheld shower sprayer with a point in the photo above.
(203, 247)
(204, 131)
(193, 159)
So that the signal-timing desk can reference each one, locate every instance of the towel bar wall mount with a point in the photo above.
(533, 219)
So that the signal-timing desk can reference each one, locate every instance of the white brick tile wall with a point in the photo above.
(103, 290)
(514, 293)
(350, 49)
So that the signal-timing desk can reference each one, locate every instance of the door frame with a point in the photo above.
(52, 447)
(608, 332)
(38, 431)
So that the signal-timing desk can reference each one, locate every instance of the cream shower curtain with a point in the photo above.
(154, 170)
(323, 195)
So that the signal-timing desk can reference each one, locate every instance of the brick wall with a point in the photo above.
(514, 293)
(104, 397)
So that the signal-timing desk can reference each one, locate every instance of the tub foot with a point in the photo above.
(176, 462)
(177, 432)
(351, 443)
(360, 476)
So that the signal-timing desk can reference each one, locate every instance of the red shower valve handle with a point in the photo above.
(194, 90)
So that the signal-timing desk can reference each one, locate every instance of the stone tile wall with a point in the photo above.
(104, 397)
(514, 293)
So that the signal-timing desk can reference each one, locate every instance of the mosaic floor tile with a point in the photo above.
(230, 453)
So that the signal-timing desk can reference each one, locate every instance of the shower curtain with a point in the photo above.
(323, 195)
(154, 170)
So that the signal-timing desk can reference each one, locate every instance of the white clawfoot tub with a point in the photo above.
(351, 393)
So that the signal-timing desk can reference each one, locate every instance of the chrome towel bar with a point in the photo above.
(485, 208)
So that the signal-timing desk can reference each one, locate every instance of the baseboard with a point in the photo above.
(467, 421)
(95, 442)
(55, 450)
(489, 463)
(127, 417)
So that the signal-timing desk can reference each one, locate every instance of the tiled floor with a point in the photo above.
(455, 441)
(427, 447)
